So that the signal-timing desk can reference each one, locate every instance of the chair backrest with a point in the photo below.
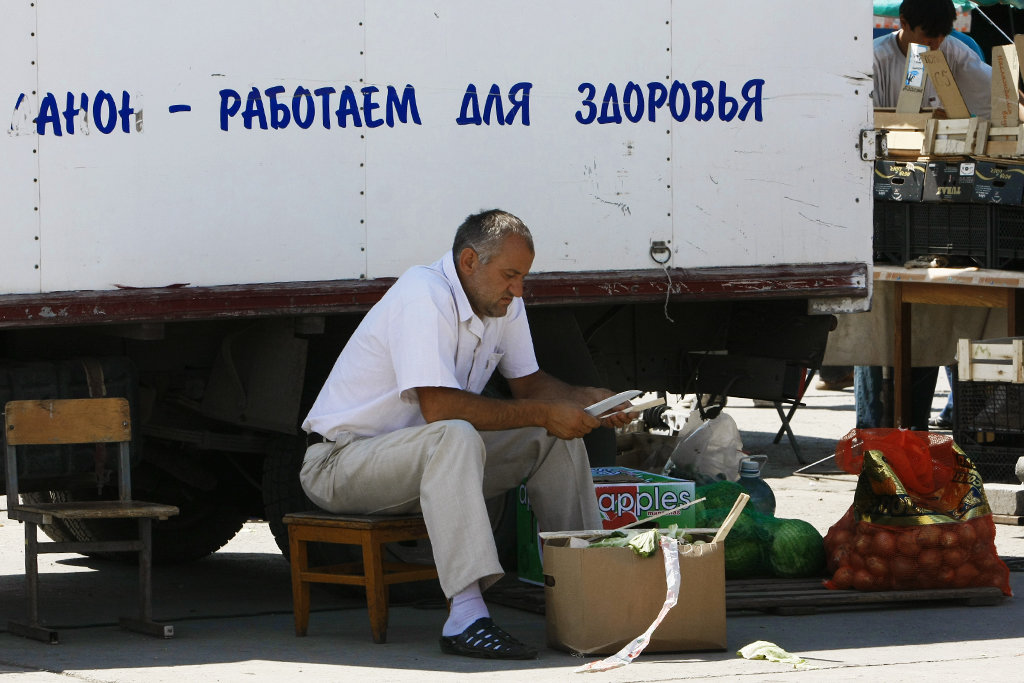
(67, 421)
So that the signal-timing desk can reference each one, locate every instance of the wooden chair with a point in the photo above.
(370, 532)
(71, 421)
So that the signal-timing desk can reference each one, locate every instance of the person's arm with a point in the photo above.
(542, 385)
(563, 418)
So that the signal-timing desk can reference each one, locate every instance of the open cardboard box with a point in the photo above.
(599, 599)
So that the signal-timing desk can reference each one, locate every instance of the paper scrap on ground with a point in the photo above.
(632, 650)
(762, 649)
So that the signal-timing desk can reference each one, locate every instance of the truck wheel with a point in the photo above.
(282, 494)
(201, 528)
(58, 531)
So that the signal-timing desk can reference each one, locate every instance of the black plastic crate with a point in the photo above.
(1007, 237)
(989, 407)
(989, 426)
(891, 232)
(996, 460)
(950, 230)
(904, 231)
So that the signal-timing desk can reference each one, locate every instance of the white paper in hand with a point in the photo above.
(609, 403)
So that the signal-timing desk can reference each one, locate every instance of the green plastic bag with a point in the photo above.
(760, 545)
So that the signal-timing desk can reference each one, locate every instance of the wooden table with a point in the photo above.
(949, 287)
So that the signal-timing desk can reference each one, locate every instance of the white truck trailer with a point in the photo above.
(200, 199)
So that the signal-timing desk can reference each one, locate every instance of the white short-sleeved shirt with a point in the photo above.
(972, 75)
(422, 333)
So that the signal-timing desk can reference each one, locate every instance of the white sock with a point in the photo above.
(467, 607)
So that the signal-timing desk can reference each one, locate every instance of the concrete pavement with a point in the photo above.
(232, 610)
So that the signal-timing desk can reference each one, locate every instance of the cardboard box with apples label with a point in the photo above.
(624, 496)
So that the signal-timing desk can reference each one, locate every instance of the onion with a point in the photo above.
(967, 534)
(862, 544)
(965, 575)
(843, 578)
(877, 566)
(855, 560)
(929, 559)
(906, 543)
(863, 580)
(839, 536)
(928, 535)
(837, 558)
(884, 543)
(953, 557)
(944, 577)
(904, 572)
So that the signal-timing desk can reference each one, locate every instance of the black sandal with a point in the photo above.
(487, 640)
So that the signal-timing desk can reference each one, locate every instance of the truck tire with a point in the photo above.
(58, 531)
(200, 529)
(283, 494)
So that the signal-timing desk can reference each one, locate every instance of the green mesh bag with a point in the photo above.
(760, 545)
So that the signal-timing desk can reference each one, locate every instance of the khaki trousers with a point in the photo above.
(446, 470)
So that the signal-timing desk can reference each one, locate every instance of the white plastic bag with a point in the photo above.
(710, 452)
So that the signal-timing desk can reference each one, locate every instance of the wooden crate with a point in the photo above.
(991, 360)
(904, 133)
(1005, 141)
(955, 136)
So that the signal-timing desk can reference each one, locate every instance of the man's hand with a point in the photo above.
(613, 417)
(567, 420)
(618, 418)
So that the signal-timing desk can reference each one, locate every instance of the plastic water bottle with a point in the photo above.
(761, 496)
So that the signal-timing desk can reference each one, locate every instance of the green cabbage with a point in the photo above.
(797, 550)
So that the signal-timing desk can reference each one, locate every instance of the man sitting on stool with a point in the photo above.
(406, 430)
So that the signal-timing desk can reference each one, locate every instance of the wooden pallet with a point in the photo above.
(808, 596)
(1012, 520)
(783, 597)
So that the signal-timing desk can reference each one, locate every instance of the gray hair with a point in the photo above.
(485, 232)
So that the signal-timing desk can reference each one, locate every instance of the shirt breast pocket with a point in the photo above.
(482, 371)
(493, 360)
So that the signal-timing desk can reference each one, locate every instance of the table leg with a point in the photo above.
(902, 395)
(1014, 312)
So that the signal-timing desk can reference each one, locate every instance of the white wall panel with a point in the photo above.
(19, 170)
(184, 201)
(791, 188)
(594, 195)
(177, 199)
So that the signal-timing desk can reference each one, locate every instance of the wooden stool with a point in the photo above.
(369, 531)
